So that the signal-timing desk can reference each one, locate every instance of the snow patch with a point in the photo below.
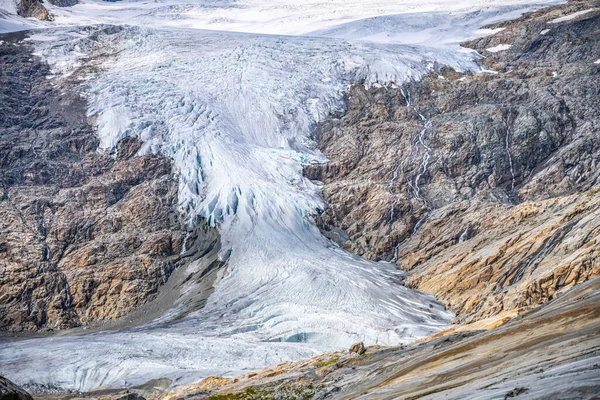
(571, 16)
(487, 71)
(597, 61)
(500, 47)
(544, 31)
(9, 6)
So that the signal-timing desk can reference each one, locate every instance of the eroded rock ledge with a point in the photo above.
(484, 187)
(84, 236)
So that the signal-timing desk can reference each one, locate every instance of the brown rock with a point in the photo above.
(84, 236)
(358, 348)
(493, 205)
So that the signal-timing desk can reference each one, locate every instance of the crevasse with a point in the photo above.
(236, 112)
(237, 119)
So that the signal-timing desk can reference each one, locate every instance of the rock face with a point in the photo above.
(10, 391)
(32, 9)
(84, 236)
(484, 187)
(36, 9)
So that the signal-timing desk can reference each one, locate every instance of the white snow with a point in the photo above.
(544, 31)
(10, 21)
(9, 6)
(597, 61)
(571, 16)
(236, 111)
(487, 71)
(500, 47)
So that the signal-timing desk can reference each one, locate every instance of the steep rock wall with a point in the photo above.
(483, 186)
(84, 236)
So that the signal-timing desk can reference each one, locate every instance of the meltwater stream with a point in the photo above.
(235, 112)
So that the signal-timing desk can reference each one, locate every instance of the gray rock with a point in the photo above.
(10, 391)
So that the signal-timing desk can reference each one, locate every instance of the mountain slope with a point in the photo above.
(425, 145)
(489, 182)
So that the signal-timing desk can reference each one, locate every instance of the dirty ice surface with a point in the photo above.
(235, 111)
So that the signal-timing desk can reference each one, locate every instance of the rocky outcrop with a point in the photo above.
(484, 187)
(32, 9)
(84, 236)
(64, 3)
(36, 8)
(10, 391)
(358, 348)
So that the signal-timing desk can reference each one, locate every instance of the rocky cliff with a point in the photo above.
(84, 236)
(32, 9)
(36, 8)
(484, 187)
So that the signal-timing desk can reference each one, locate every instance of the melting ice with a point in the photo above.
(235, 112)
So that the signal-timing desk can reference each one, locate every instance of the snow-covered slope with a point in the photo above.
(235, 111)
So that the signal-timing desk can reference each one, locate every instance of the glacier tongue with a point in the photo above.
(235, 112)
(237, 117)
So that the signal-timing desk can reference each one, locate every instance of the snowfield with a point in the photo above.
(236, 112)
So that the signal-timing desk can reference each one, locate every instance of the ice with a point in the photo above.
(236, 113)
(237, 117)
(500, 47)
(288, 17)
(9, 6)
(434, 29)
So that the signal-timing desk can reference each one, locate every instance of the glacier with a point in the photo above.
(236, 112)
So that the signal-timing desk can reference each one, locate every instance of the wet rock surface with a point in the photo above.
(84, 236)
(484, 187)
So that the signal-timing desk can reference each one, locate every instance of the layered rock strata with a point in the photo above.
(84, 236)
(484, 187)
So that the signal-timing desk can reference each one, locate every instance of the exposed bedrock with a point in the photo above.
(10, 391)
(36, 8)
(484, 187)
(32, 9)
(84, 236)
